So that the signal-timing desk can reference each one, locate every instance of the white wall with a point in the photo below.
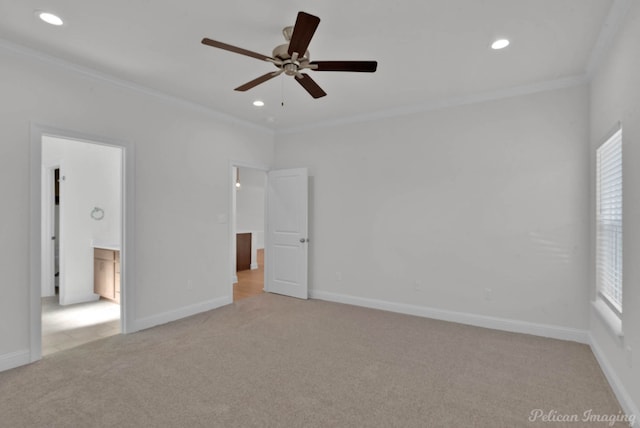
(250, 204)
(92, 178)
(615, 97)
(433, 209)
(181, 178)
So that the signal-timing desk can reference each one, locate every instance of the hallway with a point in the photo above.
(250, 282)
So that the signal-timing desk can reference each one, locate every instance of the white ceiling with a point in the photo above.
(428, 51)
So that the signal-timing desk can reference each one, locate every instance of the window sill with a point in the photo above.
(609, 318)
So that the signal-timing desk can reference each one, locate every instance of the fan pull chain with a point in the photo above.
(282, 91)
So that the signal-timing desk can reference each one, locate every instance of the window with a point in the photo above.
(609, 222)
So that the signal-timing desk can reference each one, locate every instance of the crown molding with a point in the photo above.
(141, 89)
(607, 34)
(550, 85)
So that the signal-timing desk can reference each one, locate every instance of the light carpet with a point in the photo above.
(274, 361)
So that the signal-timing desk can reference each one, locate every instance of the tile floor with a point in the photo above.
(65, 327)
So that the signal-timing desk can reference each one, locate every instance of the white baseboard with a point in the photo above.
(621, 393)
(14, 359)
(177, 314)
(254, 266)
(515, 326)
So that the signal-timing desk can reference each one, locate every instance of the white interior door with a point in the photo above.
(48, 232)
(287, 239)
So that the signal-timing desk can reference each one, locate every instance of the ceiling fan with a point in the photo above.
(292, 57)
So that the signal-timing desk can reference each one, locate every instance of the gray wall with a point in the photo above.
(433, 209)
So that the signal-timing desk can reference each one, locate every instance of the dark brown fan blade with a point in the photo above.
(235, 49)
(311, 86)
(256, 82)
(361, 66)
(302, 33)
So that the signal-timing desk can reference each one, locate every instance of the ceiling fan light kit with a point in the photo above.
(293, 57)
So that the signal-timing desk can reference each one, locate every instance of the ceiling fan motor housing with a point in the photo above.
(290, 66)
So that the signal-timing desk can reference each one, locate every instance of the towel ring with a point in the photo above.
(97, 213)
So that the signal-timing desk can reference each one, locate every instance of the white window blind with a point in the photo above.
(609, 221)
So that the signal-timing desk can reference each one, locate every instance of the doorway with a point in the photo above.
(82, 230)
(285, 208)
(248, 226)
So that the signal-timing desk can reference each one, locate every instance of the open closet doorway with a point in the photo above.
(248, 224)
(82, 206)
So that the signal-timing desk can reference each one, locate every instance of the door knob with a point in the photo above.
(303, 240)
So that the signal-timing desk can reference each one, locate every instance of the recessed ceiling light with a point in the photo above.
(49, 18)
(258, 103)
(500, 44)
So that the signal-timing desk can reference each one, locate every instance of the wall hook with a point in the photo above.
(97, 213)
